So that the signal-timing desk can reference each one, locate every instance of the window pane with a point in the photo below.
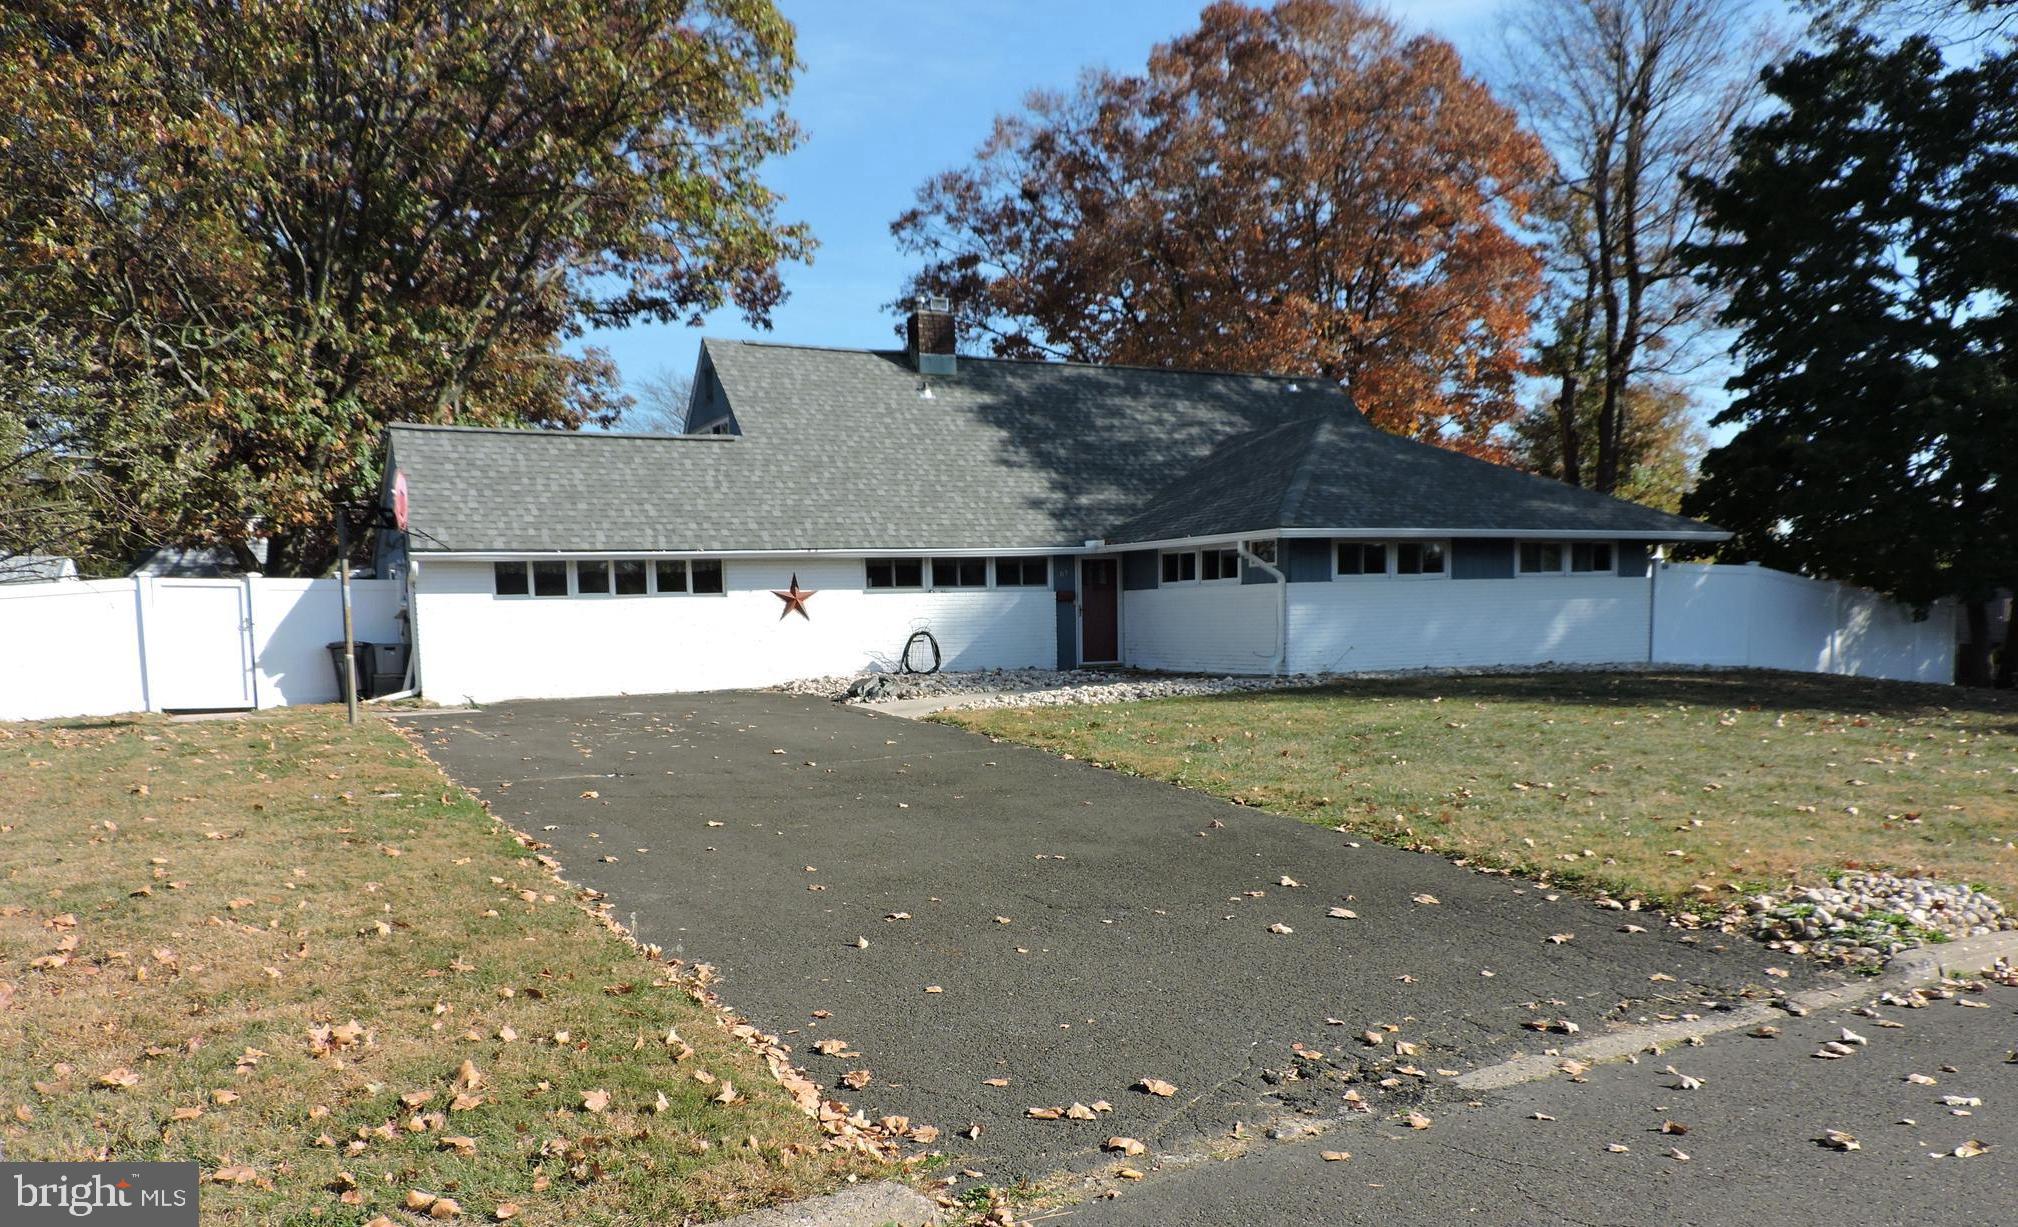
(1022, 572)
(672, 574)
(1170, 568)
(592, 578)
(511, 578)
(550, 579)
(1209, 561)
(1264, 550)
(628, 576)
(959, 573)
(879, 572)
(1591, 556)
(707, 574)
(1418, 558)
(910, 572)
(1362, 558)
(1541, 557)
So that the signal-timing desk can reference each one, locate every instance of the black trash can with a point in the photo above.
(385, 664)
(363, 658)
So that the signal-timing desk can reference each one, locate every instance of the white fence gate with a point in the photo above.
(202, 629)
(101, 647)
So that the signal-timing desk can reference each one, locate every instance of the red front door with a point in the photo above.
(1099, 611)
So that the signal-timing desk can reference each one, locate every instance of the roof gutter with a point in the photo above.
(1427, 534)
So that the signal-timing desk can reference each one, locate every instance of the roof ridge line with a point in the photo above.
(1299, 481)
(544, 432)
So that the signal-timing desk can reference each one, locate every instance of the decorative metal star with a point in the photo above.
(795, 599)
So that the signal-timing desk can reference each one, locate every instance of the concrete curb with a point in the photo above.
(884, 1203)
(1907, 969)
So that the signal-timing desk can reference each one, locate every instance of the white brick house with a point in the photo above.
(1025, 513)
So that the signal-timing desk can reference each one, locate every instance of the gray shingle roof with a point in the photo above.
(839, 451)
(1340, 473)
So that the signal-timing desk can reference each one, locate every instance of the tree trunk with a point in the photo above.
(2006, 676)
(1566, 417)
(1972, 664)
(300, 553)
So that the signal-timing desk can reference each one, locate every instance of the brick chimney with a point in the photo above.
(928, 335)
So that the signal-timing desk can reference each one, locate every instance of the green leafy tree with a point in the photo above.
(1865, 236)
(303, 219)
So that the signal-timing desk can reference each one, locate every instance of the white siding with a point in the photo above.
(1348, 626)
(1209, 628)
(1767, 619)
(486, 647)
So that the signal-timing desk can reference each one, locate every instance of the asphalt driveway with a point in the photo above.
(1064, 927)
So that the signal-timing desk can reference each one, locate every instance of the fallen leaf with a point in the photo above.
(1288, 881)
(1416, 1120)
(1334, 1156)
(464, 1147)
(1971, 1148)
(1157, 1086)
(1426, 899)
(595, 1101)
(1127, 1146)
(1044, 1113)
(994, 1082)
(856, 1079)
(1280, 928)
(1836, 1139)
(1342, 913)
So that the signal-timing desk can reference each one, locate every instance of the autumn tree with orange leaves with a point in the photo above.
(1302, 189)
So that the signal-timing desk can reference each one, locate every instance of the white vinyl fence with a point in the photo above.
(1756, 617)
(99, 647)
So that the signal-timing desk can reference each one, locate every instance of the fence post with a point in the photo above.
(143, 601)
(251, 632)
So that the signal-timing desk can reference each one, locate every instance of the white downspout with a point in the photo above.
(1281, 607)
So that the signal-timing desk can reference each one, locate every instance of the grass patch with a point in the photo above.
(1640, 784)
(185, 905)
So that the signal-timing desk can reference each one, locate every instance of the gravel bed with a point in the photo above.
(1871, 915)
(1031, 687)
(1066, 687)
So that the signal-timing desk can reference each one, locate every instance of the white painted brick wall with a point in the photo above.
(476, 644)
(1354, 624)
(1209, 628)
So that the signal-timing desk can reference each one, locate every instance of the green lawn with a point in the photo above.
(1681, 789)
(193, 916)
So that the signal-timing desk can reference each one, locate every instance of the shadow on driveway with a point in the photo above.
(766, 833)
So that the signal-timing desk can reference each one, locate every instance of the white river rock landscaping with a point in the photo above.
(1068, 687)
(1872, 915)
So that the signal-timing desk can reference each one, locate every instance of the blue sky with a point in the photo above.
(894, 91)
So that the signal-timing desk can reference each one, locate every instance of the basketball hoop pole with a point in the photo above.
(349, 634)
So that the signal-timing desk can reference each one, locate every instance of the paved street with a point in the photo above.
(1751, 1141)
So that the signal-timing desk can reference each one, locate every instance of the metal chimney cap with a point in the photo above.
(933, 302)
